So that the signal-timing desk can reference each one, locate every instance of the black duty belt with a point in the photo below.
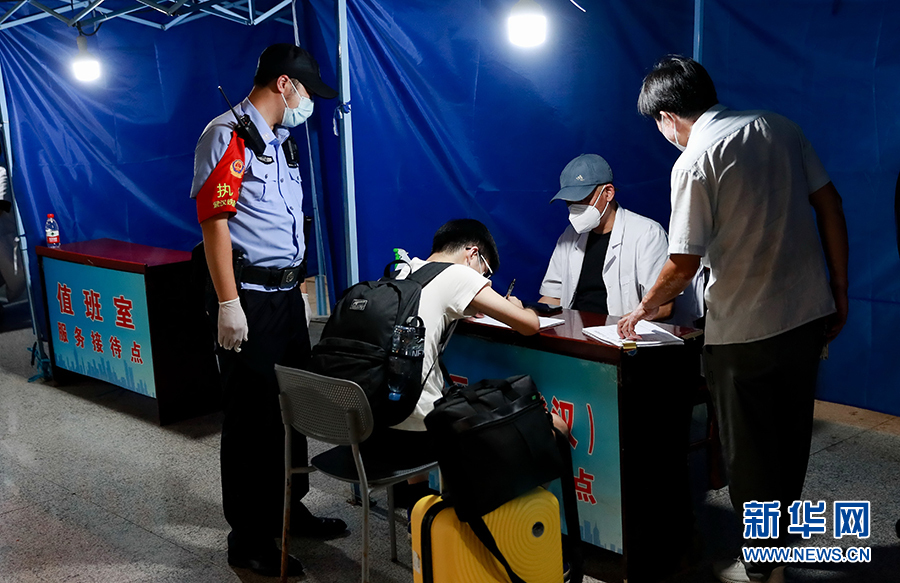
(272, 277)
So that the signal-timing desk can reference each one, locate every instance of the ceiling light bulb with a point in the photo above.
(85, 66)
(527, 24)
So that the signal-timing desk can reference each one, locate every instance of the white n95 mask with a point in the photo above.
(585, 217)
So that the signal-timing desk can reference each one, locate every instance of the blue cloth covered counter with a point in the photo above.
(127, 314)
(629, 414)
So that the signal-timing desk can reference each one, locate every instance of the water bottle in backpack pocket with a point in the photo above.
(376, 339)
(405, 360)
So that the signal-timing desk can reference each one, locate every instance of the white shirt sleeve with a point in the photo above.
(552, 284)
(652, 252)
(459, 285)
(691, 222)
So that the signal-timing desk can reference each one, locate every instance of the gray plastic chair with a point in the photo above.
(336, 411)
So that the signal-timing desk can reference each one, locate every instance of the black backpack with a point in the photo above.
(376, 339)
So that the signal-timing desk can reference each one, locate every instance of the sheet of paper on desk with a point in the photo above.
(545, 322)
(651, 334)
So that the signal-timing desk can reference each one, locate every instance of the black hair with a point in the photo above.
(461, 233)
(678, 85)
(263, 77)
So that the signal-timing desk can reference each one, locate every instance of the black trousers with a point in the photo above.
(764, 394)
(252, 449)
(404, 448)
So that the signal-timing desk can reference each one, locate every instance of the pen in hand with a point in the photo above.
(509, 291)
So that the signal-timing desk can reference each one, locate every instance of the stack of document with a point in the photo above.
(545, 322)
(650, 333)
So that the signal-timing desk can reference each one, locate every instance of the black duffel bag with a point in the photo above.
(494, 442)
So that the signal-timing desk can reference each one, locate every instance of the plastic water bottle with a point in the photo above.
(407, 352)
(401, 255)
(51, 230)
(404, 268)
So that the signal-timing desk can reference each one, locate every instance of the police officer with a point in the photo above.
(249, 198)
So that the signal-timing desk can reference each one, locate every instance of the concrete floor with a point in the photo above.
(92, 489)
(855, 455)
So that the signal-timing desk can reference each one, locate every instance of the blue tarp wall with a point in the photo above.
(833, 67)
(450, 120)
(115, 158)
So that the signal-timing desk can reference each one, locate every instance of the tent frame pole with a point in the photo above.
(322, 299)
(345, 127)
(38, 352)
(698, 30)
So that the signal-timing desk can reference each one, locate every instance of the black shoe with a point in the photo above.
(267, 563)
(309, 526)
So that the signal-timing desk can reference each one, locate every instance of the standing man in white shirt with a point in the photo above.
(608, 257)
(743, 192)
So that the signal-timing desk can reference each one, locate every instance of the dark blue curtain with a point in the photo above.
(115, 158)
(451, 121)
(833, 67)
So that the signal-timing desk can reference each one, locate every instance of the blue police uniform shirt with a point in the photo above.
(268, 224)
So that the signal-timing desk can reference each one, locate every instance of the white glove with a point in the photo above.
(308, 309)
(232, 325)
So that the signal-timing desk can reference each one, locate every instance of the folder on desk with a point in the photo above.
(651, 335)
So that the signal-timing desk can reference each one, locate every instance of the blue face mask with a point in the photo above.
(297, 115)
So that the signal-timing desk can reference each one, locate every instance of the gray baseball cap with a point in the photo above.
(581, 176)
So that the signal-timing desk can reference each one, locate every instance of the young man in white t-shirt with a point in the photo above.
(463, 289)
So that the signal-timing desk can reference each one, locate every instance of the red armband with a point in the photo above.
(220, 192)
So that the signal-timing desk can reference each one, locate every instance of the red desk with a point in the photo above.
(630, 415)
(124, 313)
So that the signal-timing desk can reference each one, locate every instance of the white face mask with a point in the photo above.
(297, 115)
(585, 217)
(675, 143)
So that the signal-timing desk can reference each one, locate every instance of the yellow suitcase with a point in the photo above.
(527, 531)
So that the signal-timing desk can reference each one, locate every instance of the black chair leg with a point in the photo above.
(391, 521)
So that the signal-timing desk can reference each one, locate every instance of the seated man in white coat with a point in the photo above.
(608, 257)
